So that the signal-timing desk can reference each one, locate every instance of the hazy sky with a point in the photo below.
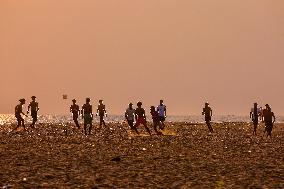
(227, 52)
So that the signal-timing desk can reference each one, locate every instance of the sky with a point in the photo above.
(187, 52)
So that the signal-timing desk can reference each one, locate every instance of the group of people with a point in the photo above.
(32, 108)
(158, 114)
(266, 115)
(138, 115)
(87, 114)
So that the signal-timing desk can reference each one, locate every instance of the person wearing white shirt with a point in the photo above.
(162, 110)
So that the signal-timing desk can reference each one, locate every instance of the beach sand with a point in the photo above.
(112, 157)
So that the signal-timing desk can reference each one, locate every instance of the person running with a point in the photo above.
(87, 115)
(140, 117)
(34, 109)
(74, 109)
(18, 112)
(162, 110)
(156, 119)
(254, 115)
(129, 116)
(263, 116)
(207, 111)
(269, 119)
(101, 111)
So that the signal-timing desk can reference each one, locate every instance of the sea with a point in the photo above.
(59, 119)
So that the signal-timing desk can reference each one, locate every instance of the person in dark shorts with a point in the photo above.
(140, 117)
(162, 111)
(33, 106)
(87, 115)
(74, 109)
(269, 119)
(129, 116)
(18, 112)
(263, 116)
(101, 111)
(156, 119)
(207, 111)
(254, 115)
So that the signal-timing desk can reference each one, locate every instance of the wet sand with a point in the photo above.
(112, 157)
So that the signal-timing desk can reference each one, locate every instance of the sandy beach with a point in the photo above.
(188, 156)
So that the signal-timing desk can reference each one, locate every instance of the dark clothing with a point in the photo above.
(140, 112)
(87, 108)
(101, 109)
(75, 110)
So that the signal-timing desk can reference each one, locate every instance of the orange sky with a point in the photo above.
(230, 53)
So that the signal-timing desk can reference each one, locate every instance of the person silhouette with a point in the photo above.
(101, 111)
(162, 111)
(254, 115)
(74, 109)
(129, 116)
(207, 111)
(18, 112)
(156, 119)
(269, 119)
(140, 117)
(87, 115)
(33, 106)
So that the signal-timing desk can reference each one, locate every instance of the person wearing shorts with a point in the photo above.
(254, 115)
(129, 116)
(74, 109)
(156, 119)
(87, 114)
(162, 111)
(18, 112)
(207, 111)
(101, 111)
(33, 106)
(141, 117)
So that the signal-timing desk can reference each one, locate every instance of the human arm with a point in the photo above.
(273, 117)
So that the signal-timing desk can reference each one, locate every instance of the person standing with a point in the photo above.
(254, 115)
(162, 111)
(18, 112)
(207, 111)
(87, 115)
(156, 120)
(129, 116)
(74, 109)
(269, 119)
(140, 117)
(101, 111)
(33, 106)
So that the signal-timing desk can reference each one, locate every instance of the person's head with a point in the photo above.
(255, 104)
(161, 102)
(88, 100)
(100, 101)
(74, 101)
(267, 106)
(152, 108)
(206, 104)
(139, 104)
(33, 98)
(22, 101)
(130, 105)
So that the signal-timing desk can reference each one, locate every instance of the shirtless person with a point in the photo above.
(269, 119)
(18, 112)
(34, 109)
(207, 111)
(87, 115)
(141, 117)
(254, 115)
(74, 109)
(101, 111)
